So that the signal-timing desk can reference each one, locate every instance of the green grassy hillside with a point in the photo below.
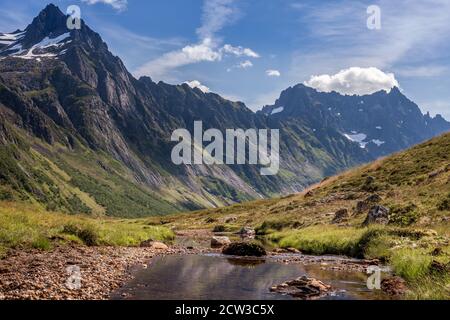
(77, 181)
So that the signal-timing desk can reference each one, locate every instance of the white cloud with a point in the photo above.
(407, 35)
(195, 53)
(197, 84)
(273, 73)
(216, 15)
(245, 64)
(239, 51)
(354, 80)
(116, 4)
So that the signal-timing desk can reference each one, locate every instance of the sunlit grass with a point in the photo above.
(23, 226)
(319, 240)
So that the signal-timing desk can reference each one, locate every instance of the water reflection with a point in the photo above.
(216, 277)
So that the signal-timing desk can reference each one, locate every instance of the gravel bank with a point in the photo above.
(38, 275)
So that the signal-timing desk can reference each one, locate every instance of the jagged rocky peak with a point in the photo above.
(50, 22)
(46, 37)
(381, 123)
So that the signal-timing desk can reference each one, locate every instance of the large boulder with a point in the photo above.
(363, 206)
(244, 249)
(340, 216)
(378, 214)
(219, 242)
(303, 288)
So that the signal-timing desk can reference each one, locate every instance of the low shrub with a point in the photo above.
(268, 227)
(87, 234)
(220, 228)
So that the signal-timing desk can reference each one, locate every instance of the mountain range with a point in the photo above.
(80, 134)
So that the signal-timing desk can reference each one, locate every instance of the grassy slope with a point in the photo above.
(414, 184)
(76, 181)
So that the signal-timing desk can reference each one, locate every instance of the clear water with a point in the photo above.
(215, 277)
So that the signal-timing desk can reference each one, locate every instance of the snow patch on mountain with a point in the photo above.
(38, 50)
(277, 110)
(378, 142)
(9, 38)
(357, 137)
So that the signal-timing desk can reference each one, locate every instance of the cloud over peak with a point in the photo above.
(354, 80)
(197, 84)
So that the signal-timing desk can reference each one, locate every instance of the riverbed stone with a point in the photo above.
(394, 286)
(247, 232)
(154, 245)
(244, 249)
(303, 288)
(218, 242)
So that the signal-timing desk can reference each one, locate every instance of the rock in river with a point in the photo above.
(244, 249)
(303, 288)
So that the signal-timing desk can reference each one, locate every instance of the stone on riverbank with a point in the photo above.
(394, 286)
(247, 232)
(218, 242)
(154, 245)
(244, 249)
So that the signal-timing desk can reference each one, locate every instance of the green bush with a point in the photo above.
(219, 228)
(87, 234)
(268, 227)
(444, 205)
(42, 244)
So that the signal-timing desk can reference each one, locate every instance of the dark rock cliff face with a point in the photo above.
(65, 89)
(382, 123)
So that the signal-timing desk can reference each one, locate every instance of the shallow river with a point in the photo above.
(214, 277)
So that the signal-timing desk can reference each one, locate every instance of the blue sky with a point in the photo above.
(250, 50)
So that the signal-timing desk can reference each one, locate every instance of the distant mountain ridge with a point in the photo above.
(79, 133)
(381, 123)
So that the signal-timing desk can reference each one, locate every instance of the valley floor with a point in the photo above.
(35, 274)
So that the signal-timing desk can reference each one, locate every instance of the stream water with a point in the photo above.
(216, 277)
